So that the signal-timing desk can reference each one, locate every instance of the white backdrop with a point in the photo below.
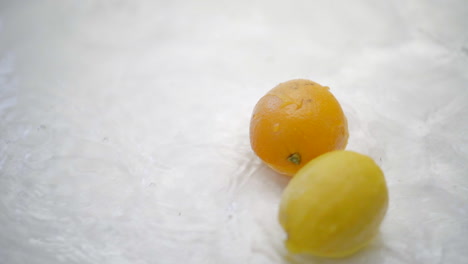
(124, 125)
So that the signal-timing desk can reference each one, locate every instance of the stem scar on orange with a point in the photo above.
(295, 122)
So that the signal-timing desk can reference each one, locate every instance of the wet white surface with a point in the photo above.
(124, 125)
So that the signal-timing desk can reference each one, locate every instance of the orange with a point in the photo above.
(295, 122)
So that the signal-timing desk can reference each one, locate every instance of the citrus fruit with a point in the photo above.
(334, 205)
(295, 122)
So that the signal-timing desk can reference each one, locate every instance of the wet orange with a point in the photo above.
(295, 122)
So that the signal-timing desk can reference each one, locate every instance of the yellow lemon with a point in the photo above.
(334, 205)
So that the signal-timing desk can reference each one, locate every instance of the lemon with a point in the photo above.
(334, 205)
